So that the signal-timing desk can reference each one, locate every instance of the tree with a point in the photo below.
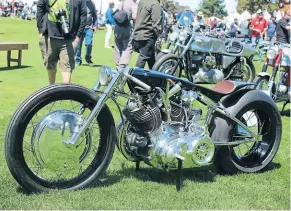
(253, 5)
(171, 6)
(213, 8)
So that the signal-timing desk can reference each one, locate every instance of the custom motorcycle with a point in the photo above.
(64, 136)
(276, 84)
(208, 57)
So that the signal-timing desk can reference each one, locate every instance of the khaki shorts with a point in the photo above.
(43, 43)
(54, 50)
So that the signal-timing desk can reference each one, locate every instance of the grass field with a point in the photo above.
(124, 188)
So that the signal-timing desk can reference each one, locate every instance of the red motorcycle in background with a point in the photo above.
(277, 84)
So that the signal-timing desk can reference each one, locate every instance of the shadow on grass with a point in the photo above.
(286, 113)
(149, 174)
(95, 65)
(14, 68)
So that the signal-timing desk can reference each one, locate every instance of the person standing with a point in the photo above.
(258, 26)
(284, 6)
(234, 28)
(198, 20)
(271, 29)
(110, 23)
(283, 36)
(283, 28)
(147, 29)
(123, 32)
(90, 28)
(63, 36)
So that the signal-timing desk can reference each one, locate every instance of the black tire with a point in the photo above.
(16, 130)
(259, 84)
(159, 55)
(167, 58)
(262, 153)
(251, 66)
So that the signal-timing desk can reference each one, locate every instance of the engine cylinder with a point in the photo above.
(144, 119)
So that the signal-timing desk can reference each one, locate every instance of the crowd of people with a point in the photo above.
(18, 8)
(136, 27)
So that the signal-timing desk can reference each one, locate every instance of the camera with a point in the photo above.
(61, 15)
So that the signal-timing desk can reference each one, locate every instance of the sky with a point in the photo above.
(193, 4)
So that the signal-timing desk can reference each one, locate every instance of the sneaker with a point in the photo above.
(90, 63)
(78, 63)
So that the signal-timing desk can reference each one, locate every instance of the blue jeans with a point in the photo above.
(255, 42)
(88, 35)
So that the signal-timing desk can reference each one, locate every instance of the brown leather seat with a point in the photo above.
(224, 87)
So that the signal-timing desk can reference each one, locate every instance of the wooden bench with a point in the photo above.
(11, 46)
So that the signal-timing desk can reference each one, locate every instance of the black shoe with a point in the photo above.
(90, 63)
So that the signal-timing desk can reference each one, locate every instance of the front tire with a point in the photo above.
(262, 84)
(166, 65)
(44, 164)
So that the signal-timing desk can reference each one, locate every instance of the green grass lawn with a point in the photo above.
(124, 188)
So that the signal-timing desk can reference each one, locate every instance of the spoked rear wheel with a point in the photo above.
(263, 119)
(36, 150)
(249, 155)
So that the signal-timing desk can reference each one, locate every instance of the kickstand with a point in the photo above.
(284, 106)
(137, 166)
(179, 175)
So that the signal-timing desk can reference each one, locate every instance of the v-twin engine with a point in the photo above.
(162, 143)
(172, 142)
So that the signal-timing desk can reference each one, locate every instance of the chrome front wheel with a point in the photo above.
(36, 151)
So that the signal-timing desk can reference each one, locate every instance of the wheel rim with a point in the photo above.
(241, 74)
(253, 154)
(48, 160)
(167, 67)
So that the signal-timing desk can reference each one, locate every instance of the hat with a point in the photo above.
(259, 11)
(200, 13)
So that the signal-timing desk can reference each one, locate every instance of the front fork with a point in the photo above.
(89, 123)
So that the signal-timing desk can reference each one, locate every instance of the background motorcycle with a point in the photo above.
(63, 136)
(207, 58)
(276, 84)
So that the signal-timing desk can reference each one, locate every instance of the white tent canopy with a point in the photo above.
(267, 15)
(245, 15)
(232, 16)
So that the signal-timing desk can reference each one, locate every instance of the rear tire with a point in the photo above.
(250, 68)
(14, 143)
(261, 153)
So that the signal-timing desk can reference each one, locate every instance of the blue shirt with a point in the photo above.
(271, 29)
(234, 27)
(109, 17)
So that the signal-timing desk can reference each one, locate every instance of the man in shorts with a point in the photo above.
(62, 36)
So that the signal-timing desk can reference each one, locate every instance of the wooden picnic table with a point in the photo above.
(11, 46)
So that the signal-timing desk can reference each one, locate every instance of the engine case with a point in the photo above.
(171, 143)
